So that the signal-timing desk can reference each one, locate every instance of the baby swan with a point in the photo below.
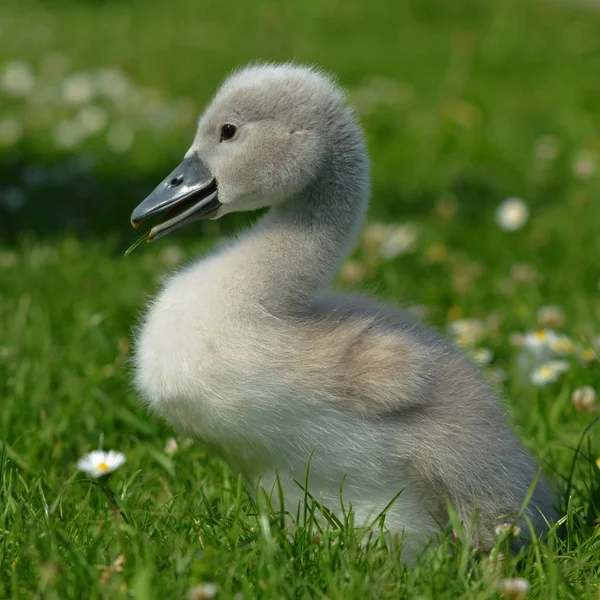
(245, 349)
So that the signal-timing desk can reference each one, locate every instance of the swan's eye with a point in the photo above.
(227, 131)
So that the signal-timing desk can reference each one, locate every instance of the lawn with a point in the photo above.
(464, 104)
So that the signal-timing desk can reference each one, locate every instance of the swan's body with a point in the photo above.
(246, 350)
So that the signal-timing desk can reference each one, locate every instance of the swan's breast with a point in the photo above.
(240, 386)
(185, 368)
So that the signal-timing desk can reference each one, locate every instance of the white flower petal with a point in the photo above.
(559, 366)
(512, 214)
(513, 588)
(541, 338)
(543, 375)
(18, 79)
(78, 88)
(99, 463)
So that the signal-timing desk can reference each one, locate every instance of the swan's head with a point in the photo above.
(269, 132)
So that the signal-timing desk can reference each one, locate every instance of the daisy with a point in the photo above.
(401, 240)
(374, 234)
(203, 591)
(77, 88)
(68, 134)
(513, 587)
(467, 332)
(17, 79)
(171, 446)
(588, 355)
(561, 345)
(585, 399)
(508, 529)
(99, 463)
(92, 119)
(539, 339)
(544, 374)
(584, 165)
(483, 356)
(512, 214)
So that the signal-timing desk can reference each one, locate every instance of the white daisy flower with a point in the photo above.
(18, 79)
(99, 463)
(92, 119)
(562, 345)
(402, 239)
(203, 591)
(467, 332)
(112, 83)
(77, 88)
(374, 234)
(171, 446)
(95, 319)
(585, 399)
(543, 375)
(507, 528)
(584, 165)
(68, 134)
(483, 356)
(588, 355)
(541, 338)
(512, 214)
(513, 588)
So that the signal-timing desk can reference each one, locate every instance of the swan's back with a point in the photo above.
(448, 423)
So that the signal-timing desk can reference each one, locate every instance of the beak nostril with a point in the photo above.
(176, 181)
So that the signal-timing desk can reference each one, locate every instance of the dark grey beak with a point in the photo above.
(189, 193)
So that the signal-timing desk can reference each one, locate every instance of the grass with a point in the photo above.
(463, 105)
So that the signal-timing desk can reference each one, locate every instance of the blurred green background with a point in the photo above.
(476, 98)
(464, 103)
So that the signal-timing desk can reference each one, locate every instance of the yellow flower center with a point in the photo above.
(514, 213)
(541, 335)
(546, 371)
(103, 467)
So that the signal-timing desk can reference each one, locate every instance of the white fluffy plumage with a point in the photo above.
(246, 349)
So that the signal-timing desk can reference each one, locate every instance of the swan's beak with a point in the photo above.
(189, 193)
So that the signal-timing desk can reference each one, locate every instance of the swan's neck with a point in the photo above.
(296, 248)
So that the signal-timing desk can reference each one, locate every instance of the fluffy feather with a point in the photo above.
(246, 350)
